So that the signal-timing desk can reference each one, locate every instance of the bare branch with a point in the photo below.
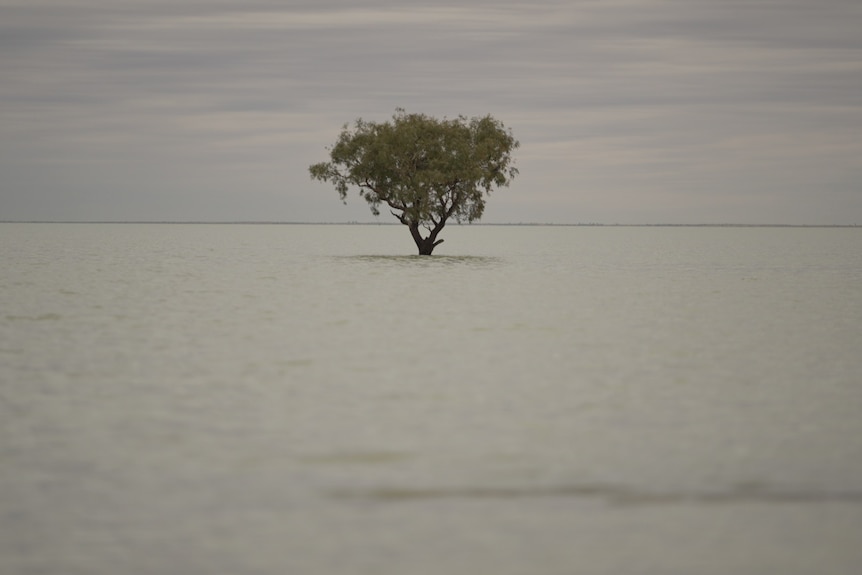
(401, 218)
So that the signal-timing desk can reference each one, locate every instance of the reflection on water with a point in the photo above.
(431, 262)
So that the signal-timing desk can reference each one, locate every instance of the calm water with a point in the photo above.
(269, 399)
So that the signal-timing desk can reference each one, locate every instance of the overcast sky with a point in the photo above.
(628, 111)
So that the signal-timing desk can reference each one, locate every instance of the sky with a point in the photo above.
(627, 111)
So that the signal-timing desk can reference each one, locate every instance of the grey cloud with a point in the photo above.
(671, 98)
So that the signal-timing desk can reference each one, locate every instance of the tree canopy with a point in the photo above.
(427, 171)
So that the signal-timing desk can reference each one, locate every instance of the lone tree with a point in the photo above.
(426, 170)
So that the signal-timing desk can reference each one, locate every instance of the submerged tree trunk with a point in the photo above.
(426, 245)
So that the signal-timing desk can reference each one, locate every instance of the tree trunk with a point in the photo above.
(426, 245)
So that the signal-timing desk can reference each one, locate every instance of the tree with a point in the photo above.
(425, 170)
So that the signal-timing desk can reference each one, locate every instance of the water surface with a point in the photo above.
(315, 399)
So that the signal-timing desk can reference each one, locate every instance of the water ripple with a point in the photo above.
(615, 495)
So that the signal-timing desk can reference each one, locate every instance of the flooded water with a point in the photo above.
(270, 399)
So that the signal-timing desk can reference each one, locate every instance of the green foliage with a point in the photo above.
(425, 170)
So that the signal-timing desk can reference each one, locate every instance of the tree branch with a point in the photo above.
(370, 186)
(401, 218)
(395, 205)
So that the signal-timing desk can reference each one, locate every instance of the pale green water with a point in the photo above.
(206, 399)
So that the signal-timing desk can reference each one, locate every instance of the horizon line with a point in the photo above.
(358, 223)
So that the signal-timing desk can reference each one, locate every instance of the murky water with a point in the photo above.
(272, 399)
